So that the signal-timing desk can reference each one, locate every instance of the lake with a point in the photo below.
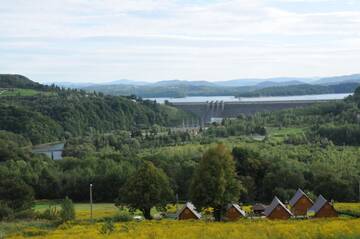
(161, 100)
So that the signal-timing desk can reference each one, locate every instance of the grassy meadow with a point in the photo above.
(342, 227)
(82, 210)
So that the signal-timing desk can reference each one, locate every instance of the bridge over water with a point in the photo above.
(206, 111)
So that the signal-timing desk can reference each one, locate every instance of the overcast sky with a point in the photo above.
(152, 40)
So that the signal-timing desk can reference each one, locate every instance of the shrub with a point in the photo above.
(107, 228)
(121, 217)
(25, 214)
(5, 212)
(51, 213)
(67, 212)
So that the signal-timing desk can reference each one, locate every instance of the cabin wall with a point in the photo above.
(186, 214)
(326, 211)
(279, 213)
(301, 206)
(232, 214)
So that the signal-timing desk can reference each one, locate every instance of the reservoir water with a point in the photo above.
(161, 100)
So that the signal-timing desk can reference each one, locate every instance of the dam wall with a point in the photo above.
(220, 109)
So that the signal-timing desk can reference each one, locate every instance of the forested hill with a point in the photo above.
(47, 113)
(302, 89)
(18, 81)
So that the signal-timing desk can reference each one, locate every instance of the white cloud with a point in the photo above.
(80, 39)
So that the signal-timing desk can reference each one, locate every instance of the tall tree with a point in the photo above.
(148, 187)
(214, 183)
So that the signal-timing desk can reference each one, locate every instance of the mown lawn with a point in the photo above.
(82, 210)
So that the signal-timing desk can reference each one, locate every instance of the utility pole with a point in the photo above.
(91, 203)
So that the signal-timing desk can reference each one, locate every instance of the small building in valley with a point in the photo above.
(234, 212)
(300, 203)
(322, 208)
(258, 208)
(277, 210)
(188, 212)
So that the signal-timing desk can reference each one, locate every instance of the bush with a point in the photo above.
(67, 212)
(121, 217)
(107, 228)
(50, 214)
(5, 212)
(25, 214)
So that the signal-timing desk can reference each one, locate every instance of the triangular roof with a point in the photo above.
(192, 208)
(299, 193)
(237, 207)
(275, 202)
(319, 203)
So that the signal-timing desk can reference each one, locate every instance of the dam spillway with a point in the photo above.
(206, 111)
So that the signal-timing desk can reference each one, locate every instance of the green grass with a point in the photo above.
(22, 92)
(8, 228)
(82, 210)
(279, 134)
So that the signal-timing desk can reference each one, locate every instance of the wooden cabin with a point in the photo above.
(300, 203)
(234, 212)
(258, 208)
(322, 208)
(188, 212)
(277, 210)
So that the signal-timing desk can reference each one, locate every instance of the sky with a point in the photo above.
(152, 40)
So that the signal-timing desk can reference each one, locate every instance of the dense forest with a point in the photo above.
(302, 89)
(52, 113)
(171, 89)
(110, 139)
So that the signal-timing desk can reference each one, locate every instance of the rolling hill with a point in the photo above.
(249, 87)
(55, 113)
(302, 89)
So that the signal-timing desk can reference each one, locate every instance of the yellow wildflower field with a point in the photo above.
(338, 228)
(348, 207)
(243, 229)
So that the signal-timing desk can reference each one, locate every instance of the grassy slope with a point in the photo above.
(18, 92)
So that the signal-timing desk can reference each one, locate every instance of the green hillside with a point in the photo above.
(18, 81)
(47, 113)
(302, 89)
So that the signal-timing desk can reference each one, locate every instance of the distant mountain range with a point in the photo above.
(182, 88)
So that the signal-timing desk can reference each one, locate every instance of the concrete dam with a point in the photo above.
(207, 111)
